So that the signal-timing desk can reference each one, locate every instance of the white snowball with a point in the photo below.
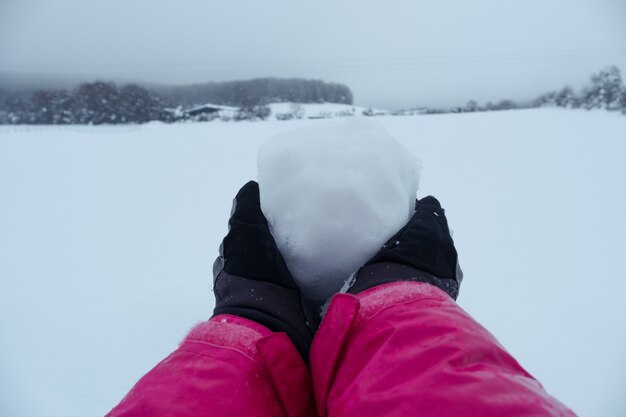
(333, 194)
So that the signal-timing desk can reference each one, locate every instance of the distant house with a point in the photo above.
(207, 109)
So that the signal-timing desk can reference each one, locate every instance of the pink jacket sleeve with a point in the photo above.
(406, 349)
(227, 366)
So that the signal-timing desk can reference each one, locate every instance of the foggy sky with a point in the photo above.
(391, 53)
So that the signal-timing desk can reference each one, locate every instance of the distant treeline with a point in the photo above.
(90, 103)
(103, 102)
(106, 103)
(605, 90)
(259, 91)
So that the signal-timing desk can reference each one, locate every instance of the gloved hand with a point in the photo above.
(421, 251)
(251, 279)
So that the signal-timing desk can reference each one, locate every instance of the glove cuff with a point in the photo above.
(386, 272)
(271, 305)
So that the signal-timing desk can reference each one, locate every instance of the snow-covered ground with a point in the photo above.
(322, 110)
(108, 234)
(289, 110)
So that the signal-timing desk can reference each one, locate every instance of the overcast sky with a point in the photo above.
(391, 53)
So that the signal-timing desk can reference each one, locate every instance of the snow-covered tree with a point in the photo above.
(17, 110)
(98, 103)
(262, 112)
(471, 106)
(138, 105)
(52, 107)
(566, 98)
(546, 100)
(562, 98)
(505, 105)
(297, 110)
(251, 109)
(605, 90)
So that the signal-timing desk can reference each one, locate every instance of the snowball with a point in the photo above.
(333, 194)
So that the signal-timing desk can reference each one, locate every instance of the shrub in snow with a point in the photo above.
(251, 110)
(262, 112)
(345, 113)
(333, 193)
(284, 116)
(297, 110)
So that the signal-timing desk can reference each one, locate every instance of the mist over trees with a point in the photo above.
(103, 102)
(260, 90)
(605, 90)
(90, 103)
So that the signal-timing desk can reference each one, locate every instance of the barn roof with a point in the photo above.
(209, 106)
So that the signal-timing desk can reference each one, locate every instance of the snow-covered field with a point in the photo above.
(108, 234)
(301, 111)
(322, 110)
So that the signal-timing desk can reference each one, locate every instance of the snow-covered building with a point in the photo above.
(208, 109)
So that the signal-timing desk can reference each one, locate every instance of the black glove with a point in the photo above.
(251, 279)
(422, 251)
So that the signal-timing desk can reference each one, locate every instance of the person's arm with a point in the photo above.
(398, 344)
(227, 366)
(249, 358)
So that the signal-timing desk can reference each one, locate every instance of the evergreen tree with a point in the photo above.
(43, 107)
(97, 103)
(545, 100)
(605, 90)
(566, 98)
(138, 105)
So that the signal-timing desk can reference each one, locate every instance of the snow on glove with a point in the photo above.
(251, 279)
(422, 251)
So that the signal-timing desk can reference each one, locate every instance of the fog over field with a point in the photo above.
(392, 55)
